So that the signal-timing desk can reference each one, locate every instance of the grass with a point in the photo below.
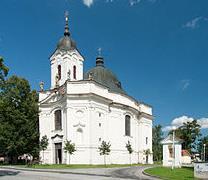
(76, 166)
(175, 174)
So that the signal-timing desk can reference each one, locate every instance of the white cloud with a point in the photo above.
(195, 23)
(167, 128)
(88, 3)
(177, 122)
(133, 2)
(203, 122)
(185, 84)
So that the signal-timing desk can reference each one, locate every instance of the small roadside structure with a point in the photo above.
(172, 151)
(186, 157)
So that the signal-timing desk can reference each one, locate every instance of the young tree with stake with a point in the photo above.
(70, 148)
(43, 144)
(104, 149)
(129, 149)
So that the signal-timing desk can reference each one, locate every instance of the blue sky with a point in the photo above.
(157, 48)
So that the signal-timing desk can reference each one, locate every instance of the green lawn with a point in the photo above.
(168, 173)
(64, 166)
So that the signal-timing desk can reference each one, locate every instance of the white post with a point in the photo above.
(204, 153)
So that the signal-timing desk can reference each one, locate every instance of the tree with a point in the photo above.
(200, 147)
(70, 148)
(189, 132)
(129, 149)
(104, 149)
(18, 119)
(156, 142)
(3, 70)
(43, 144)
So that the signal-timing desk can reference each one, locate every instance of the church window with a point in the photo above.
(58, 120)
(99, 139)
(74, 72)
(99, 124)
(127, 125)
(146, 140)
(99, 114)
(59, 72)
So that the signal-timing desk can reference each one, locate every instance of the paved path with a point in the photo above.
(133, 172)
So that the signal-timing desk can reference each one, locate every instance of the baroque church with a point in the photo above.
(88, 108)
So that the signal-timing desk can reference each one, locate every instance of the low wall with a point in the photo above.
(201, 170)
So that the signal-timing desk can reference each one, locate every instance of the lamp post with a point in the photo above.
(204, 152)
(173, 161)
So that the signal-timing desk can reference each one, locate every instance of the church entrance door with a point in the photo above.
(58, 153)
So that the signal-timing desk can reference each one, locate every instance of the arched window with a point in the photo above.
(74, 72)
(59, 72)
(58, 124)
(127, 125)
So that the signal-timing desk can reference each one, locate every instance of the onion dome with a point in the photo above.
(66, 43)
(104, 76)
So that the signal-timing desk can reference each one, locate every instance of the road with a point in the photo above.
(123, 173)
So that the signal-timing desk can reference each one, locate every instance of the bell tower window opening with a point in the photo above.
(74, 72)
(59, 72)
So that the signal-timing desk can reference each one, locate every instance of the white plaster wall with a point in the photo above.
(168, 161)
(81, 109)
(67, 61)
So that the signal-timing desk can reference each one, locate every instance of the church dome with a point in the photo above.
(104, 76)
(66, 43)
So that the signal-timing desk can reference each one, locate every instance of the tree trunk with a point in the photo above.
(69, 159)
(14, 159)
(130, 158)
(105, 159)
(43, 157)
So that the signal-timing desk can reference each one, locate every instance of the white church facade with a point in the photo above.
(88, 108)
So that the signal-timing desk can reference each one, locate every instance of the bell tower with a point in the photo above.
(66, 61)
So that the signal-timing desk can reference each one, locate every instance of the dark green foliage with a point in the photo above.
(3, 70)
(69, 147)
(43, 143)
(104, 148)
(157, 136)
(147, 152)
(189, 133)
(200, 147)
(128, 147)
(18, 119)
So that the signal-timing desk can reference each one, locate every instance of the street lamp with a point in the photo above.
(204, 153)
(173, 161)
